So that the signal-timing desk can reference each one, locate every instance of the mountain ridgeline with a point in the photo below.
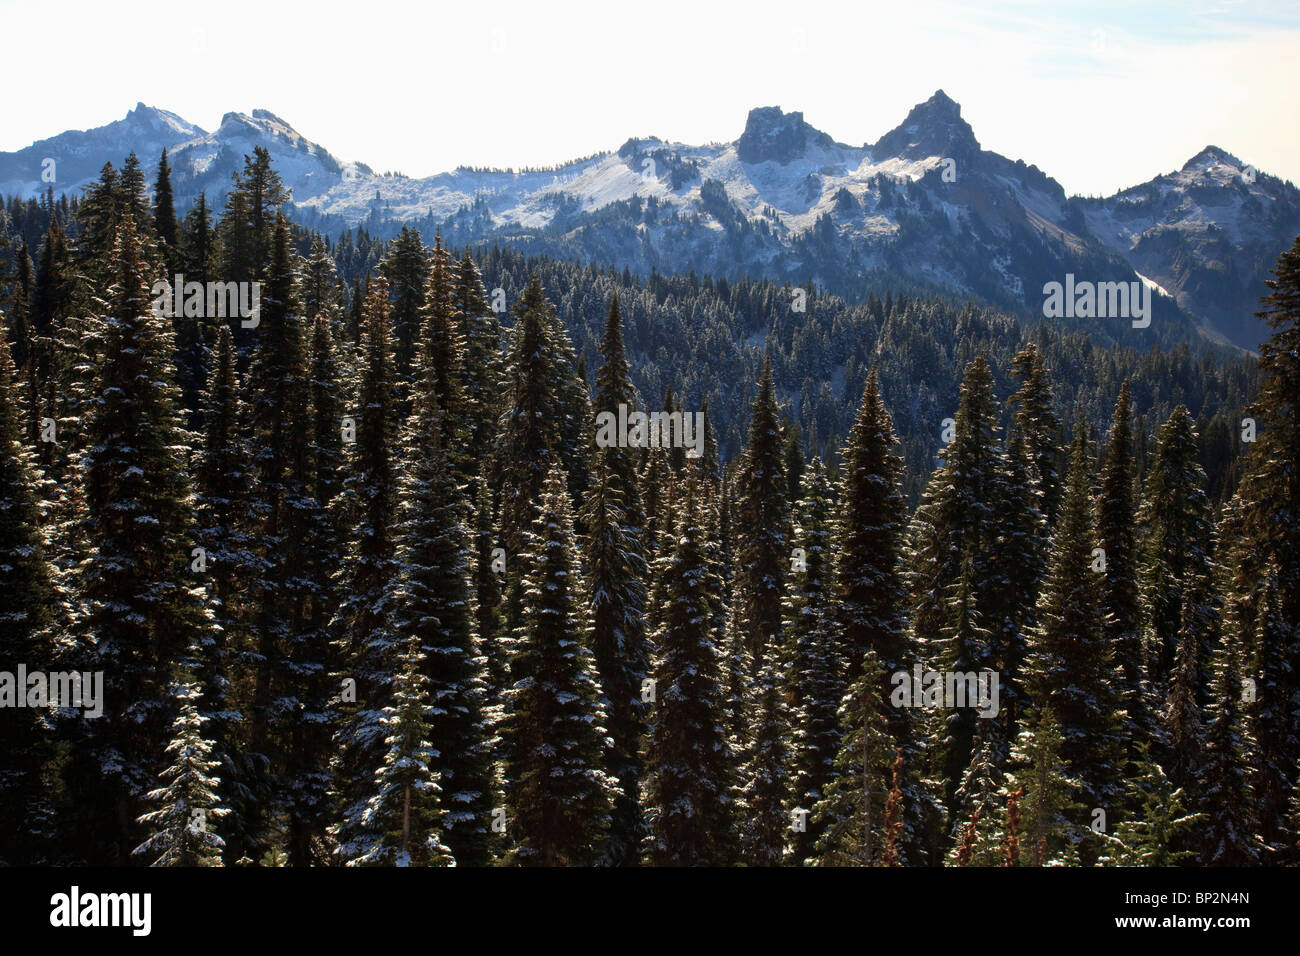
(924, 206)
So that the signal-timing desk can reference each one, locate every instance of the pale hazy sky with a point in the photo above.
(1101, 96)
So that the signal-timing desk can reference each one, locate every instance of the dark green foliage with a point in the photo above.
(558, 793)
(687, 797)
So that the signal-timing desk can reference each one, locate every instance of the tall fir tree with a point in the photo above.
(616, 570)
(433, 602)
(141, 605)
(248, 222)
(1071, 667)
(164, 216)
(278, 416)
(953, 577)
(762, 526)
(1271, 720)
(688, 796)
(1037, 422)
(1228, 800)
(765, 778)
(400, 819)
(1270, 489)
(816, 671)
(182, 829)
(1116, 523)
(367, 644)
(308, 700)
(480, 331)
(225, 531)
(406, 267)
(29, 593)
(1177, 535)
(1048, 801)
(851, 810)
(559, 795)
(615, 599)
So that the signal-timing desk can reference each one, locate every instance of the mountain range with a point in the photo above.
(925, 204)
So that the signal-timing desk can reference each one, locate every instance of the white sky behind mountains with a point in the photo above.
(1100, 95)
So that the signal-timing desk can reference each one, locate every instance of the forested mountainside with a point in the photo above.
(705, 340)
(353, 574)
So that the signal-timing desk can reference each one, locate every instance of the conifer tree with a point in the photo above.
(164, 216)
(528, 430)
(616, 597)
(614, 388)
(307, 708)
(688, 796)
(1228, 799)
(278, 416)
(965, 646)
(1049, 798)
(1022, 549)
(29, 590)
(1293, 815)
(765, 788)
(1071, 669)
(954, 547)
(480, 333)
(141, 607)
(133, 201)
(572, 404)
(762, 526)
(1270, 718)
(559, 795)
(869, 610)
(99, 216)
(488, 576)
(1038, 425)
(320, 289)
(1183, 742)
(198, 241)
(362, 625)
(181, 829)
(1270, 492)
(400, 820)
(433, 603)
(248, 222)
(1161, 822)
(816, 685)
(868, 544)
(851, 812)
(444, 355)
(1120, 598)
(1177, 532)
(406, 267)
(980, 810)
(224, 526)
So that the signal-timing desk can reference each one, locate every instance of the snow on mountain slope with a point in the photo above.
(1208, 234)
(79, 155)
(925, 201)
